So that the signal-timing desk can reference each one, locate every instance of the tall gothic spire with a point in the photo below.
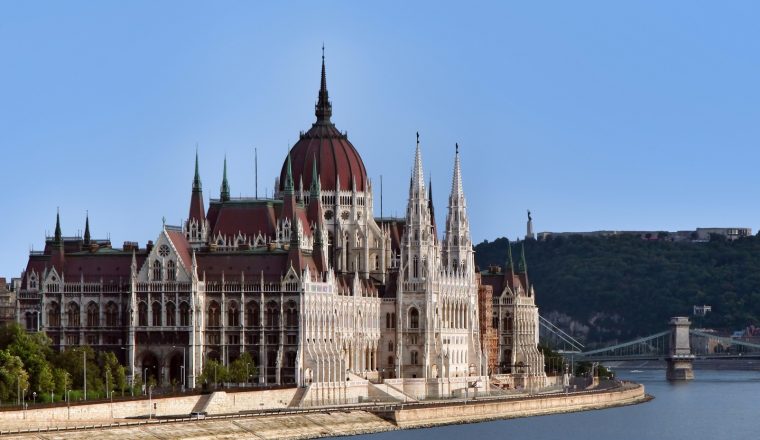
(57, 235)
(225, 191)
(87, 229)
(430, 200)
(456, 181)
(323, 109)
(418, 178)
(197, 178)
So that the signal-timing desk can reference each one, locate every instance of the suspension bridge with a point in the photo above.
(679, 346)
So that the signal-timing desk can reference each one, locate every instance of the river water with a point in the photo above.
(716, 405)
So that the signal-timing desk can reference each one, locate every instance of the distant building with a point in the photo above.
(699, 234)
(8, 300)
(703, 234)
(489, 339)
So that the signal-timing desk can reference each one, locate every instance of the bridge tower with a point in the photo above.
(680, 359)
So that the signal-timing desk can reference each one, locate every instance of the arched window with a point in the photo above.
(273, 314)
(157, 270)
(414, 318)
(171, 314)
(142, 314)
(54, 315)
(112, 314)
(171, 271)
(93, 315)
(233, 318)
(414, 358)
(390, 360)
(184, 314)
(393, 320)
(387, 320)
(416, 267)
(390, 346)
(290, 361)
(73, 314)
(376, 259)
(156, 313)
(507, 324)
(291, 315)
(214, 314)
(252, 312)
(29, 321)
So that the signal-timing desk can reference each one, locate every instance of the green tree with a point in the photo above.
(62, 382)
(120, 379)
(214, 373)
(45, 380)
(242, 368)
(72, 361)
(13, 377)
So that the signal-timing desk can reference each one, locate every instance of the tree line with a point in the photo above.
(621, 287)
(31, 370)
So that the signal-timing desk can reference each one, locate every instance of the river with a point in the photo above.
(716, 405)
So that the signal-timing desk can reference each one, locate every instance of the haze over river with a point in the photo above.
(716, 405)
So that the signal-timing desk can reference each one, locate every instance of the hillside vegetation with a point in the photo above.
(622, 287)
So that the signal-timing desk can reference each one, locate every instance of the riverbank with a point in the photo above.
(331, 422)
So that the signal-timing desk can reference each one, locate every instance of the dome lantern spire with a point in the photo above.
(323, 109)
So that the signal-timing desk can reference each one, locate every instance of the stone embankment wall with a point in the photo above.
(430, 415)
(219, 402)
(350, 422)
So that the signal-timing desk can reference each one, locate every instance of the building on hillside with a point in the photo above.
(308, 282)
(697, 235)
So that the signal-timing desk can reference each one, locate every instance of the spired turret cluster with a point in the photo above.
(316, 289)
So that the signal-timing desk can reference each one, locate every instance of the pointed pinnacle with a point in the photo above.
(315, 185)
(225, 190)
(197, 177)
(289, 176)
(87, 229)
(456, 181)
(57, 225)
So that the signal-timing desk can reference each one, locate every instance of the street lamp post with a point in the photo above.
(247, 364)
(150, 402)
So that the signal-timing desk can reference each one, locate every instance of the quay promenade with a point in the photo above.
(303, 423)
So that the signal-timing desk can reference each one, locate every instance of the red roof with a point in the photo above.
(335, 156)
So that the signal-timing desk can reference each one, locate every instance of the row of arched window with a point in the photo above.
(414, 319)
(252, 314)
(171, 271)
(74, 318)
(171, 314)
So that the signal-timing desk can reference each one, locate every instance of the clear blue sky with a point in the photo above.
(595, 115)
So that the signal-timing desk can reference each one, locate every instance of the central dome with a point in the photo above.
(335, 155)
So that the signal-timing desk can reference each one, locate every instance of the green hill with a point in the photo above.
(618, 288)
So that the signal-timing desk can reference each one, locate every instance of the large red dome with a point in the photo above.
(331, 149)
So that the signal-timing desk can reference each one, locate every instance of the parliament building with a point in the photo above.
(309, 282)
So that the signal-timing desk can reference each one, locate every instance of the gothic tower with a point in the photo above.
(457, 244)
